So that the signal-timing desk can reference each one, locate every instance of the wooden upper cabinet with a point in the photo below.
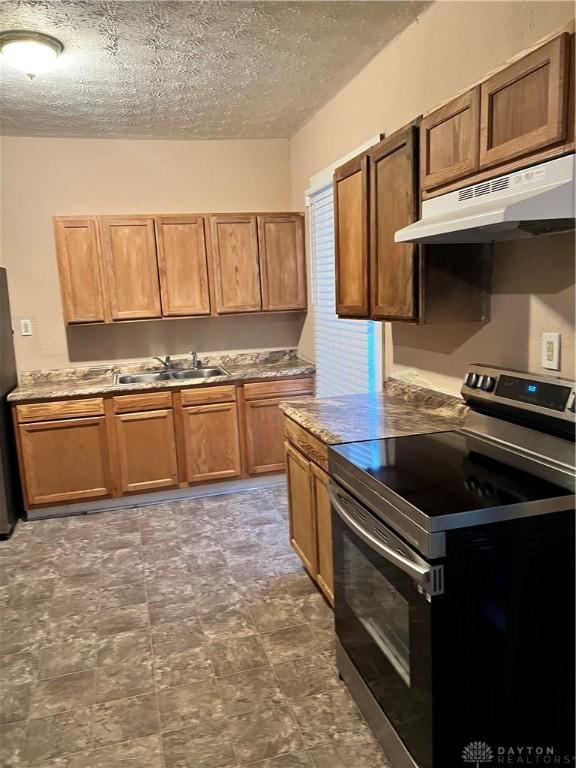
(449, 141)
(84, 295)
(394, 204)
(524, 107)
(65, 460)
(351, 238)
(236, 263)
(182, 265)
(282, 261)
(129, 249)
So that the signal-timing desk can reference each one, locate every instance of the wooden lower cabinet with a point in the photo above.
(310, 518)
(211, 442)
(301, 504)
(146, 451)
(264, 438)
(65, 460)
(323, 509)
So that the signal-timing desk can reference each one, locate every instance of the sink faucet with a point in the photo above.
(195, 361)
(166, 361)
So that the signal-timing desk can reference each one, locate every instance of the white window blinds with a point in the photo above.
(348, 352)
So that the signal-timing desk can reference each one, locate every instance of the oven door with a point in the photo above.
(383, 592)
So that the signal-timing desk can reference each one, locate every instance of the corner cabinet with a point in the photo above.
(408, 282)
(129, 248)
(351, 238)
(519, 116)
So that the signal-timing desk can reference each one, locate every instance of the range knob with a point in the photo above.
(487, 383)
(471, 380)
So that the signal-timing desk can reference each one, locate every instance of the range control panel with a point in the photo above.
(519, 389)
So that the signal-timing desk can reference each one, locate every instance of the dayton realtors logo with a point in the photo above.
(478, 753)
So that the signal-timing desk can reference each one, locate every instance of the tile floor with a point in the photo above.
(181, 635)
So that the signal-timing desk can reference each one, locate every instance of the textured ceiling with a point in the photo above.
(190, 70)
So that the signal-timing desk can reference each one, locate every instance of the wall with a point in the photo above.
(450, 46)
(41, 178)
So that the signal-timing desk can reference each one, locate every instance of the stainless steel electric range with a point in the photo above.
(454, 577)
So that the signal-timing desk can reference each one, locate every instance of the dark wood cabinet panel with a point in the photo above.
(394, 267)
(351, 238)
(524, 107)
(449, 141)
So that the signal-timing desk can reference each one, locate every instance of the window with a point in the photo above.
(348, 352)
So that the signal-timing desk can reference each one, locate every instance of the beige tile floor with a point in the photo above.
(180, 635)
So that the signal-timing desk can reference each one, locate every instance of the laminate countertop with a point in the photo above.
(99, 380)
(400, 409)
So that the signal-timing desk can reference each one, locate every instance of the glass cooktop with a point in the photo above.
(444, 473)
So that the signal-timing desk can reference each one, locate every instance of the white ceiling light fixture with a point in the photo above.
(31, 52)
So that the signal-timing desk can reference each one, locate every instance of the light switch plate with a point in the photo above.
(551, 351)
(25, 327)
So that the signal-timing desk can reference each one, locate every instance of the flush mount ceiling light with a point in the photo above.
(30, 52)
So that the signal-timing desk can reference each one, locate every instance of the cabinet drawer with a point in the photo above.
(283, 388)
(207, 395)
(60, 409)
(313, 448)
(145, 402)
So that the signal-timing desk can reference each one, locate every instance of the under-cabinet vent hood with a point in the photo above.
(535, 201)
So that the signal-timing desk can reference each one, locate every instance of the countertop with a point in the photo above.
(400, 409)
(93, 381)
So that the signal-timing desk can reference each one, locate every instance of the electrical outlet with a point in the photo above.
(551, 351)
(25, 327)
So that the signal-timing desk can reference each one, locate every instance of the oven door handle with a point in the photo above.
(421, 574)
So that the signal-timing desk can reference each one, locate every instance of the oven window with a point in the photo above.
(379, 607)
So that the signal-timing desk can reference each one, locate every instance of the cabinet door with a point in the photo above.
(65, 461)
(282, 261)
(449, 141)
(323, 511)
(351, 238)
(236, 264)
(146, 450)
(301, 506)
(130, 257)
(84, 295)
(182, 265)
(524, 107)
(264, 436)
(393, 205)
(211, 442)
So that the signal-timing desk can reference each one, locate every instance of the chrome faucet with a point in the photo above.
(195, 361)
(166, 361)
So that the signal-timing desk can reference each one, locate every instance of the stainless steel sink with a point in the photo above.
(175, 375)
(141, 378)
(198, 373)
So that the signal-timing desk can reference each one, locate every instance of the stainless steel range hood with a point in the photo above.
(535, 201)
